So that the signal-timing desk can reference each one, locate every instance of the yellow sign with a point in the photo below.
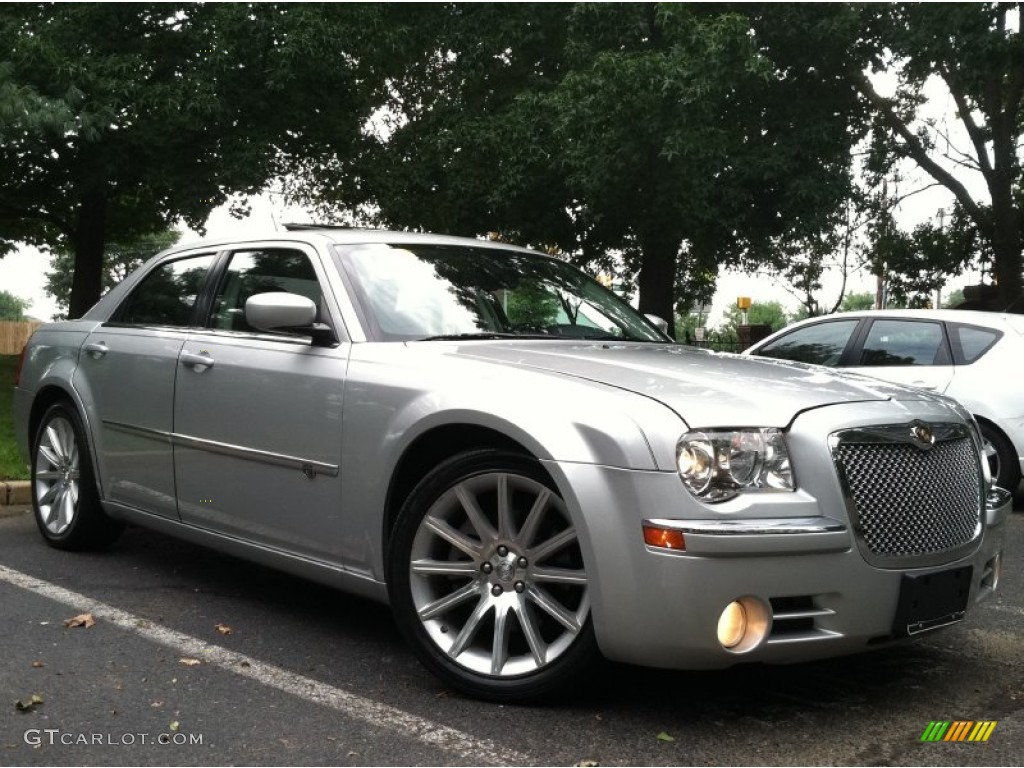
(743, 302)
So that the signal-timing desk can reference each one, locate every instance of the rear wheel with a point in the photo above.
(487, 578)
(1002, 459)
(64, 497)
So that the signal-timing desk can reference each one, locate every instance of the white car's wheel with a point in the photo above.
(487, 578)
(1002, 460)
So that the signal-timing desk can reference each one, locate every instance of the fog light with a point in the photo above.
(732, 625)
(744, 624)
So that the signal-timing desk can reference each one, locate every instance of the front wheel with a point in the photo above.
(487, 579)
(1002, 459)
(64, 496)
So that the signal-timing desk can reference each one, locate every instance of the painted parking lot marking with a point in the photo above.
(478, 751)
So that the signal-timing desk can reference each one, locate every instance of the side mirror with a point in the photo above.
(286, 312)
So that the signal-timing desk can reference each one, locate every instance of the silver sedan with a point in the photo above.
(527, 470)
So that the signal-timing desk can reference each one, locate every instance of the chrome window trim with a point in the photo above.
(306, 466)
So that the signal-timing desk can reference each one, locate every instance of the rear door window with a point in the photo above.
(904, 342)
(167, 295)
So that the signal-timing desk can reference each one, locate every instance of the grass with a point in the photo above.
(11, 465)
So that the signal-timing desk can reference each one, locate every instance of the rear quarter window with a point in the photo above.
(971, 342)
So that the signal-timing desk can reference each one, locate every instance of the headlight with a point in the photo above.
(719, 464)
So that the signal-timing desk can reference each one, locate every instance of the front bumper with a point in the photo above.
(794, 553)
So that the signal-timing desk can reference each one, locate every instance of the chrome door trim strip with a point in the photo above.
(307, 466)
(254, 454)
(153, 434)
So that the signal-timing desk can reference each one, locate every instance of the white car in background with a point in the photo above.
(973, 357)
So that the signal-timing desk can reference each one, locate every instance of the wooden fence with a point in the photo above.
(14, 334)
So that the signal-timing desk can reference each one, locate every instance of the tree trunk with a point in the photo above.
(88, 243)
(657, 279)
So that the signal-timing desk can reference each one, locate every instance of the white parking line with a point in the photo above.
(478, 751)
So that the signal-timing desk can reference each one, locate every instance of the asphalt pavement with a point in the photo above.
(197, 658)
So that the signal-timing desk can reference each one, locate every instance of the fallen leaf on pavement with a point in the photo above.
(665, 737)
(27, 706)
(156, 704)
(174, 726)
(81, 620)
(37, 664)
(587, 764)
(190, 662)
(224, 629)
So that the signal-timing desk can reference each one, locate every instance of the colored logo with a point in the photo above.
(959, 730)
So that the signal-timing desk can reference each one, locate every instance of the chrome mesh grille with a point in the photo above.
(912, 502)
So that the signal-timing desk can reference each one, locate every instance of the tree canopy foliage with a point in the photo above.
(12, 307)
(120, 119)
(666, 139)
(672, 134)
(977, 51)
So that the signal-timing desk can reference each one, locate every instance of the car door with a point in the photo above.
(258, 415)
(126, 373)
(906, 351)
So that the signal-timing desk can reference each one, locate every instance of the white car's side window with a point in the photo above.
(822, 344)
(900, 342)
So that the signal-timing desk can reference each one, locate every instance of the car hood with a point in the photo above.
(706, 389)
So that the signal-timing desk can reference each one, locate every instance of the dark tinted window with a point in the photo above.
(904, 342)
(971, 342)
(822, 343)
(167, 295)
(273, 270)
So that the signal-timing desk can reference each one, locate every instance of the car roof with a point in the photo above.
(351, 236)
(970, 316)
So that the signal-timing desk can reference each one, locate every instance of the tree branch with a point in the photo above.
(918, 152)
(974, 131)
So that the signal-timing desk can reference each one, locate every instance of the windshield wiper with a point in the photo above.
(485, 335)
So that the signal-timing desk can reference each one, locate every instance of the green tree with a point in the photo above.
(119, 260)
(760, 313)
(853, 302)
(12, 307)
(120, 119)
(977, 51)
(667, 133)
(953, 299)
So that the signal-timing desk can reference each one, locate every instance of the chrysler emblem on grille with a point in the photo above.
(922, 435)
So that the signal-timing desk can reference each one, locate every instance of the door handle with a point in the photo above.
(96, 350)
(199, 362)
(925, 385)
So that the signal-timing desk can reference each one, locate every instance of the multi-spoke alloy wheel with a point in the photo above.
(488, 579)
(64, 494)
(57, 475)
(1002, 460)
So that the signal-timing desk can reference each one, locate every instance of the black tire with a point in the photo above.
(1002, 459)
(65, 501)
(479, 614)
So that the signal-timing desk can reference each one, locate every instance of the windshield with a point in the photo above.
(425, 292)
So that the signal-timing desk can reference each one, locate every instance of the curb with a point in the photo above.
(15, 492)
